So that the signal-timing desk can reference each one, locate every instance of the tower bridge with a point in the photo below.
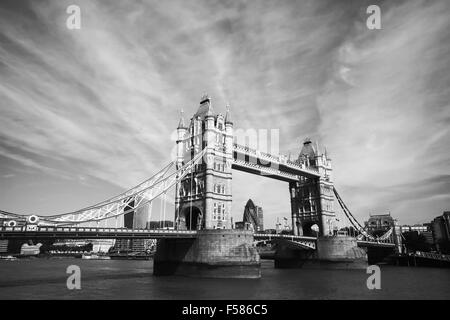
(203, 235)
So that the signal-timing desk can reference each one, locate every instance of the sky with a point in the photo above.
(86, 114)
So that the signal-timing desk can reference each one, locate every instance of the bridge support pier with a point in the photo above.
(341, 252)
(217, 253)
(379, 254)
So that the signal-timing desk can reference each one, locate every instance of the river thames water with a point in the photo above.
(121, 279)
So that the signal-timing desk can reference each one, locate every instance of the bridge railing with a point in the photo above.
(126, 230)
(91, 229)
(284, 236)
(267, 170)
(433, 255)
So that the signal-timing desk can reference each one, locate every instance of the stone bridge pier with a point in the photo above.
(219, 253)
(341, 252)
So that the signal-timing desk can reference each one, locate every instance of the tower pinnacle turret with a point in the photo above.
(205, 108)
(181, 124)
(228, 116)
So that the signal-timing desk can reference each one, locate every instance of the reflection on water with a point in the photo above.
(122, 279)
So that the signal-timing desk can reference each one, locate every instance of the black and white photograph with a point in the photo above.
(224, 150)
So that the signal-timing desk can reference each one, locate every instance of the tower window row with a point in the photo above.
(219, 188)
(219, 211)
(220, 138)
(219, 166)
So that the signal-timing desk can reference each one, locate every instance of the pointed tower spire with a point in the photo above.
(227, 116)
(181, 124)
(205, 108)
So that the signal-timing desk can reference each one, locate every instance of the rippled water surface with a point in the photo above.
(119, 279)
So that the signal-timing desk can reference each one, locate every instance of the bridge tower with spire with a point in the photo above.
(312, 200)
(203, 198)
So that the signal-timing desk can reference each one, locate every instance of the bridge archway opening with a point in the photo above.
(247, 184)
(311, 229)
(192, 218)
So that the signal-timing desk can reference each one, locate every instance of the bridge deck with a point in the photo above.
(276, 167)
(268, 236)
(90, 233)
(117, 233)
(48, 232)
(362, 243)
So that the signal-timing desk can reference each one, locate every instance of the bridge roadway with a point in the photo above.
(380, 244)
(69, 232)
(59, 232)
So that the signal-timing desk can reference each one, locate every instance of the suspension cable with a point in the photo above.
(350, 217)
(123, 195)
(160, 211)
(180, 174)
(149, 215)
(191, 196)
(164, 210)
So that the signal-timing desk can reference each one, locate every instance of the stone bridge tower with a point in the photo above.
(203, 198)
(312, 199)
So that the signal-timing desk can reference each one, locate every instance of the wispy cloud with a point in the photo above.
(388, 121)
(103, 101)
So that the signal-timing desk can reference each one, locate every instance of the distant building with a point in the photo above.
(136, 219)
(3, 246)
(440, 227)
(134, 245)
(102, 245)
(428, 237)
(260, 216)
(420, 229)
(70, 242)
(417, 227)
(128, 218)
(243, 225)
(141, 217)
(379, 223)
(161, 224)
(254, 215)
(98, 245)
